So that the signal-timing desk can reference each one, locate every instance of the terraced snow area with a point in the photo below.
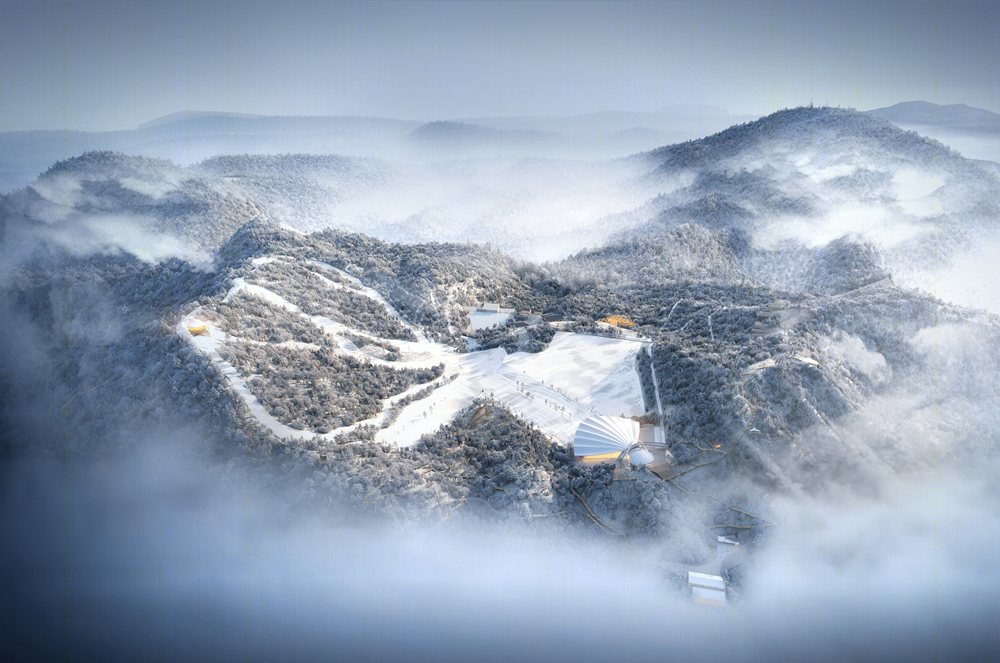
(577, 376)
(596, 372)
(373, 294)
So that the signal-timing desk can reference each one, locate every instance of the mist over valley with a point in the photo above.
(272, 385)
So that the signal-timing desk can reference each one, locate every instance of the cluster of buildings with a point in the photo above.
(606, 439)
(492, 314)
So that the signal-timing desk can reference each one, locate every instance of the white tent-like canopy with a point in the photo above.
(603, 438)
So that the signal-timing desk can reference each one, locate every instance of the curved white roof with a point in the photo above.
(598, 436)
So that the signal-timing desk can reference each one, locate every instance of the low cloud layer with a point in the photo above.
(158, 548)
(163, 552)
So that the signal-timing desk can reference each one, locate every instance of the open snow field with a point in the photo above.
(577, 376)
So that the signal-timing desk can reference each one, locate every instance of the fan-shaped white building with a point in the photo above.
(602, 439)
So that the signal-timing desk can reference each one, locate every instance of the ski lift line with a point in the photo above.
(695, 493)
(80, 393)
(656, 394)
(753, 526)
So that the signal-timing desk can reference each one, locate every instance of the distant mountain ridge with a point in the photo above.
(192, 136)
(953, 116)
(181, 116)
(461, 133)
(683, 118)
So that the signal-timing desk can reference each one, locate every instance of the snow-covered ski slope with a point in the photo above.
(577, 376)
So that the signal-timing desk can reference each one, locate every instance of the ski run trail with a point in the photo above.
(576, 377)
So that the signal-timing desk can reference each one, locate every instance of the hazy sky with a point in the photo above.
(110, 65)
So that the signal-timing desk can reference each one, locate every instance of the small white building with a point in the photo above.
(487, 315)
(707, 589)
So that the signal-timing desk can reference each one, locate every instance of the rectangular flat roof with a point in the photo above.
(704, 580)
(481, 320)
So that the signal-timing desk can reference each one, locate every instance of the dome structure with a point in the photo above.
(604, 438)
(196, 326)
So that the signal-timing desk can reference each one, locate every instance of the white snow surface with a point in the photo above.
(576, 377)
(484, 319)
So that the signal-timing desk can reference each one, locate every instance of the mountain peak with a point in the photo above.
(805, 127)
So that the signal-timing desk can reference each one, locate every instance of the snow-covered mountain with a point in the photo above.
(799, 179)
(189, 137)
(769, 338)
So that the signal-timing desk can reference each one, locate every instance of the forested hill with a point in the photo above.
(149, 207)
(430, 284)
(832, 130)
(155, 208)
(301, 190)
(799, 179)
(294, 165)
(813, 161)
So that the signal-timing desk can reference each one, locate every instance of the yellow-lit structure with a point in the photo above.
(197, 327)
(618, 321)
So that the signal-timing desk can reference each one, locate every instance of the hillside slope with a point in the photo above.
(797, 180)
